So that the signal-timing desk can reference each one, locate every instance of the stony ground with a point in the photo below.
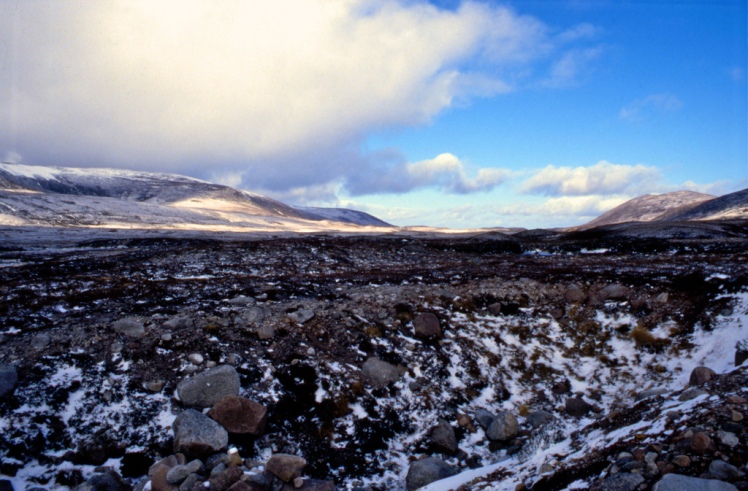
(370, 353)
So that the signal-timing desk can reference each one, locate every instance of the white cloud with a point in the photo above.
(641, 109)
(603, 178)
(566, 206)
(565, 71)
(281, 92)
(445, 172)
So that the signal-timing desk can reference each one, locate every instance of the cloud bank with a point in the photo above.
(603, 178)
(273, 95)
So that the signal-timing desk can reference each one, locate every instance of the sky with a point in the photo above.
(446, 113)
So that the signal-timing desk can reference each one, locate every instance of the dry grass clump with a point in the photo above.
(645, 340)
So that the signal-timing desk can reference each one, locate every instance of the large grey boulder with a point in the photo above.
(623, 481)
(208, 387)
(197, 435)
(443, 436)
(427, 326)
(8, 379)
(503, 427)
(540, 418)
(676, 482)
(130, 327)
(426, 471)
(722, 470)
(484, 418)
(380, 373)
(700, 376)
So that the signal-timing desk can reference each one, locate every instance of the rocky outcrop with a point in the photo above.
(208, 387)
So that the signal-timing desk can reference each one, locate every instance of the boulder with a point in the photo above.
(537, 419)
(691, 393)
(224, 480)
(240, 415)
(702, 443)
(426, 471)
(105, 481)
(311, 485)
(623, 481)
(577, 407)
(504, 427)
(179, 322)
(722, 470)
(443, 436)
(8, 379)
(646, 394)
(574, 294)
(242, 301)
(700, 376)
(158, 471)
(677, 482)
(741, 352)
(179, 473)
(197, 435)
(253, 315)
(427, 326)
(207, 388)
(612, 292)
(484, 418)
(301, 316)
(130, 327)
(285, 466)
(380, 373)
(246, 486)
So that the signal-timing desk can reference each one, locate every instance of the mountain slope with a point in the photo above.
(650, 207)
(58, 196)
(733, 205)
(346, 215)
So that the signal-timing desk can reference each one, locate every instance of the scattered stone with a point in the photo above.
(736, 416)
(195, 358)
(692, 393)
(577, 407)
(677, 482)
(310, 485)
(246, 486)
(464, 421)
(741, 352)
(253, 315)
(700, 376)
(427, 326)
(242, 300)
(682, 461)
(380, 373)
(646, 394)
(484, 418)
(574, 295)
(209, 387)
(540, 418)
(663, 297)
(285, 466)
(735, 399)
(623, 481)
(301, 316)
(40, 341)
(443, 436)
(240, 415)
(701, 443)
(561, 387)
(225, 479)
(613, 292)
(154, 385)
(130, 327)
(157, 472)
(728, 438)
(503, 427)
(8, 379)
(722, 470)
(179, 473)
(197, 435)
(178, 322)
(426, 471)
(105, 481)
(189, 482)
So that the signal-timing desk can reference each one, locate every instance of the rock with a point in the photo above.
(722, 470)
(197, 435)
(741, 352)
(301, 316)
(380, 373)
(246, 486)
(728, 438)
(311, 485)
(577, 407)
(225, 479)
(130, 327)
(465, 422)
(242, 300)
(700, 376)
(682, 461)
(426, 471)
(536, 419)
(701, 443)
(253, 315)
(503, 427)
(40, 341)
(443, 436)
(105, 481)
(676, 482)
(663, 297)
(574, 294)
(285, 466)
(484, 418)
(179, 473)
(736, 416)
(154, 385)
(623, 481)
(189, 482)
(427, 326)
(195, 358)
(691, 393)
(561, 387)
(735, 399)
(8, 379)
(209, 387)
(240, 415)
(179, 322)
(495, 308)
(265, 331)
(612, 292)
(157, 472)
(646, 394)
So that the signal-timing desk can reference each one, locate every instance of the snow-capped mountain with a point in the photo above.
(733, 205)
(62, 196)
(346, 216)
(650, 207)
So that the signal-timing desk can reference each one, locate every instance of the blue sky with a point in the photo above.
(450, 113)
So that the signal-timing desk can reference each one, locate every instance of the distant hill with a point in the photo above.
(733, 205)
(65, 196)
(649, 208)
